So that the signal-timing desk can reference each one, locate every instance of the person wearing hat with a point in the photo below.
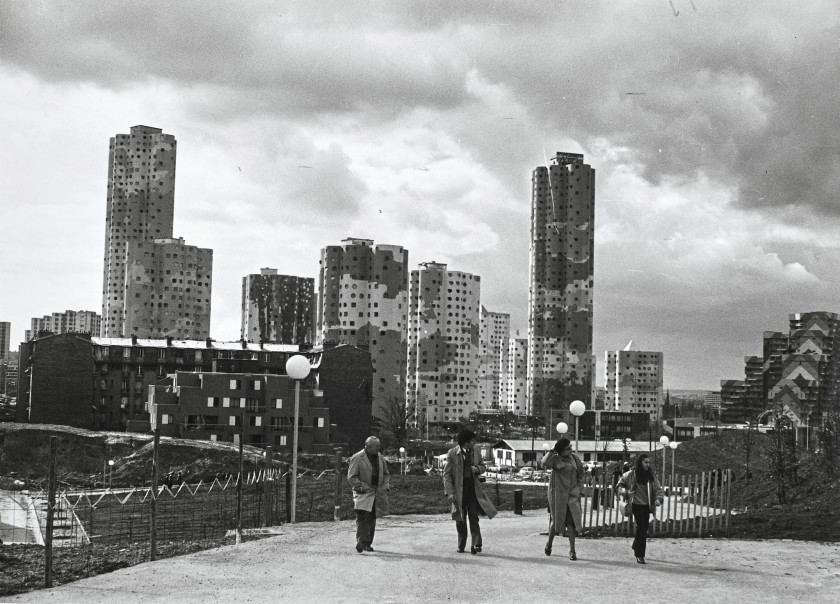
(462, 486)
(369, 478)
(564, 488)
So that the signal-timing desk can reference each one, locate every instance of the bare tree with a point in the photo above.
(829, 442)
(782, 455)
(396, 418)
(749, 441)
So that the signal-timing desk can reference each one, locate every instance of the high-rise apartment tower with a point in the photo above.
(363, 301)
(443, 343)
(141, 207)
(278, 308)
(560, 362)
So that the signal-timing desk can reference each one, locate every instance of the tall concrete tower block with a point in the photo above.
(140, 208)
(443, 343)
(5, 338)
(493, 350)
(278, 309)
(168, 288)
(560, 361)
(363, 301)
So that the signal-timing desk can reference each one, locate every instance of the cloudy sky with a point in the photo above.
(713, 128)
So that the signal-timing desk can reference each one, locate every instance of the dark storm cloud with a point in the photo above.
(303, 60)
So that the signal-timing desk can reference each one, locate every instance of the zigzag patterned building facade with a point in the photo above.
(798, 374)
(560, 362)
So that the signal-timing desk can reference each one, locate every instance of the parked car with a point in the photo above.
(526, 473)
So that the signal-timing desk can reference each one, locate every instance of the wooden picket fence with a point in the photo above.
(695, 506)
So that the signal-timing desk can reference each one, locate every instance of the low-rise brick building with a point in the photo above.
(103, 383)
(223, 406)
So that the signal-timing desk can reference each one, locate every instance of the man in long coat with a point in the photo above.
(369, 478)
(463, 488)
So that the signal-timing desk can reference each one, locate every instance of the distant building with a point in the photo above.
(141, 207)
(443, 343)
(69, 321)
(634, 382)
(103, 383)
(9, 372)
(731, 391)
(493, 338)
(223, 406)
(363, 301)
(515, 377)
(153, 284)
(604, 425)
(168, 288)
(797, 374)
(5, 338)
(560, 362)
(278, 309)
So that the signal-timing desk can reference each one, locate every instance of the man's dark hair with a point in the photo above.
(465, 436)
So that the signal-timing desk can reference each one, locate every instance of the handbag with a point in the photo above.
(626, 507)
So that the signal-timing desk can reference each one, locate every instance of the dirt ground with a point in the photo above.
(415, 561)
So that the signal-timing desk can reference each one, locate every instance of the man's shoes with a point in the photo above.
(640, 560)
(474, 550)
(547, 550)
(461, 549)
(478, 548)
(572, 555)
(360, 549)
(368, 548)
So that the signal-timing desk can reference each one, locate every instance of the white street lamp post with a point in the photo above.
(577, 409)
(402, 460)
(673, 446)
(664, 440)
(110, 473)
(297, 368)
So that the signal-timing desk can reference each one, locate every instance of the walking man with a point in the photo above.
(369, 478)
(462, 486)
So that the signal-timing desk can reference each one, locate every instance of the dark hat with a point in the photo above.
(561, 444)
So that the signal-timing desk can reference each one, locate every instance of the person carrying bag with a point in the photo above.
(642, 493)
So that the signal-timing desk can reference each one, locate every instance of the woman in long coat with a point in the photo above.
(564, 493)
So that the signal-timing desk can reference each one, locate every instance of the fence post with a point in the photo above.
(728, 484)
(337, 511)
(48, 580)
(517, 501)
(241, 478)
(288, 495)
(153, 501)
(266, 485)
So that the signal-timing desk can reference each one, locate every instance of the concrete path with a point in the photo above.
(415, 561)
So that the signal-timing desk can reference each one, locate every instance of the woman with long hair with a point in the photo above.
(563, 493)
(641, 487)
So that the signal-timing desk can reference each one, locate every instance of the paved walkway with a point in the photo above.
(416, 561)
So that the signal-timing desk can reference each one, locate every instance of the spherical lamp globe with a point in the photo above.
(546, 446)
(562, 428)
(577, 408)
(297, 367)
(664, 440)
(673, 444)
